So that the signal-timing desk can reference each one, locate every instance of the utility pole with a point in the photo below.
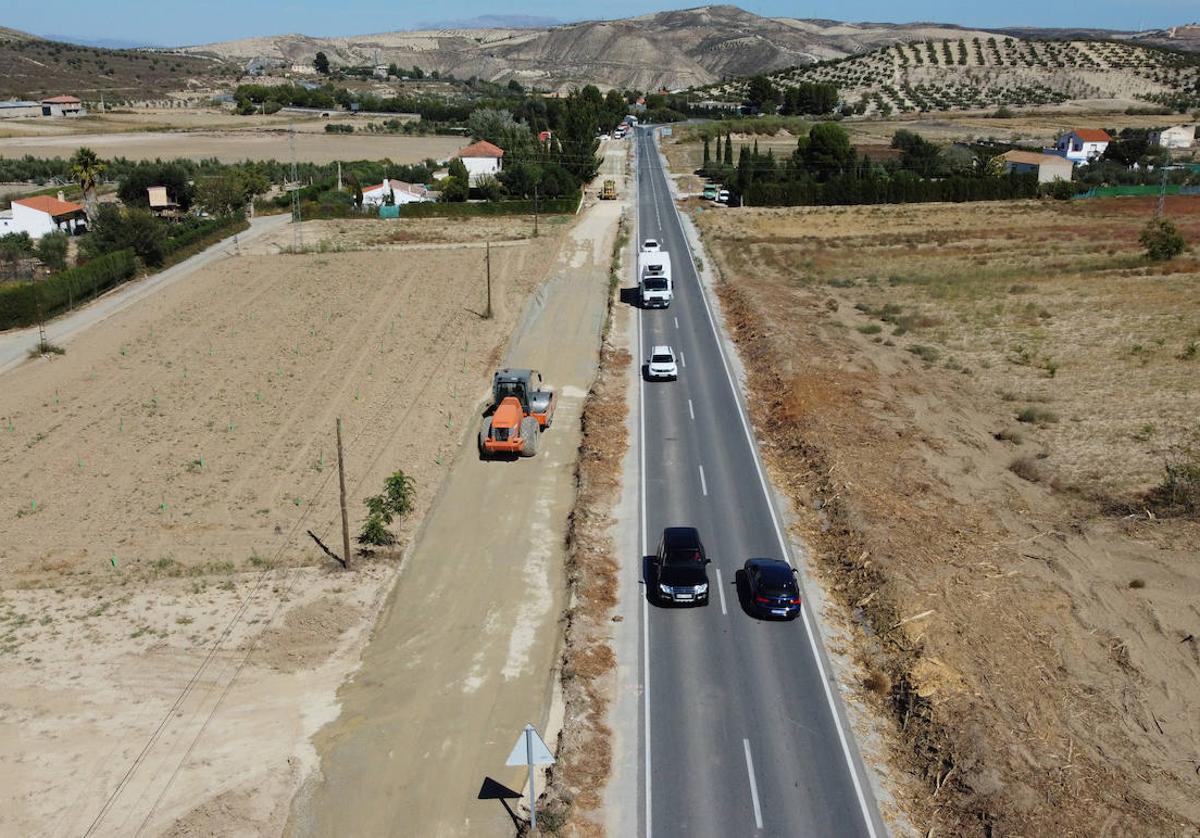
(297, 236)
(535, 210)
(342, 482)
(487, 314)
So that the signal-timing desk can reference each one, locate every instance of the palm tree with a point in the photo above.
(86, 169)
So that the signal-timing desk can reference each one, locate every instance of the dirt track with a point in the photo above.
(460, 660)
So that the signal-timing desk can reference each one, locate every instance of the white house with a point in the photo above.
(482, 159)
(62, 106)
(40, 215)
(1082, 145)
(1177, 136)
(1049, 167)
(402, 193)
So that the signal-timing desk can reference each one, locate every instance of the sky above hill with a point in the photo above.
(180, 22)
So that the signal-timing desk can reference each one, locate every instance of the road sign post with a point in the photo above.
(530, 750)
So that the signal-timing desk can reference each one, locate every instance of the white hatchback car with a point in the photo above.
(662, 366)
(650, 246)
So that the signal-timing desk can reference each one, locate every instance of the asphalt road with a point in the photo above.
(742, 731)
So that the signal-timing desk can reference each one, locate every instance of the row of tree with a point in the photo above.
(825, 168)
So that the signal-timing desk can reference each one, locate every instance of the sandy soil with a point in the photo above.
(163, 612)
(235, 146)
(1024, 606)
(466, 651)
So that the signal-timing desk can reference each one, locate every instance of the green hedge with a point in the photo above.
(19, 303)
(548, 206)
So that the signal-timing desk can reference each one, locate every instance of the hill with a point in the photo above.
(33, 67)
(674, 49)
(973, 72)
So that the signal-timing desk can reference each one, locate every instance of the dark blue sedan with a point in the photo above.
(772, 587)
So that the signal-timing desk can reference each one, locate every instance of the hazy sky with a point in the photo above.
(176, 22)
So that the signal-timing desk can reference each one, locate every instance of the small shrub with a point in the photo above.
(1037, 416)
(926, 353)
(1137, 584)
(871, 329)
(1026, 468)
(1162, 240)
(397, 500)
(877, 682)
(1008, 435)
(1179, 491)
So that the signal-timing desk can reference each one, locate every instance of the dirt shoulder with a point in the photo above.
(163, 612)
(970, 407)
(466, 650)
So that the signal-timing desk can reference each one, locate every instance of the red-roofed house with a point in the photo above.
(401, 191)
(40, 215)
(482, 159)
(62, 106)
(1082, 145)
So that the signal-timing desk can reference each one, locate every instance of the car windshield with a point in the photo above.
(655, 283)
(684, 556)
(689, 574)
(661, 359)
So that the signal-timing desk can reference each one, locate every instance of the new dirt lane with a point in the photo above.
(462, 656)
(739, 727)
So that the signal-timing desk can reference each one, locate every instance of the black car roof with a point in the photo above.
(674, 537)
(772, 568)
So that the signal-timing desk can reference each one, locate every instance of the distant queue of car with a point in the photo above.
(678, 575)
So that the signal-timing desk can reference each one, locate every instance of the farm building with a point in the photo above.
(15, 108)
(1177, 136)
(40, 215)
(482, 159)
(1082, 145)
(401, 192)
(62, 106)
(1049, 167)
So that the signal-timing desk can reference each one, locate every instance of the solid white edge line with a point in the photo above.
(642, 557)
(703, 482)
(753, 785)
(839, 723)
(721, 591)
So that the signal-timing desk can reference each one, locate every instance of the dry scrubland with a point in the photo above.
(971, 406)
(159, 479)
(339, 235)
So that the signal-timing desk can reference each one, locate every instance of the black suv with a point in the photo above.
(680, 567)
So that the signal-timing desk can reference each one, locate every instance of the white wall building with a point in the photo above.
(1082, 145)
(402, 193)
(16, 108)
(482, 159)
(1049, 167)
(1177, 136)
(40, 215)
(62, 106)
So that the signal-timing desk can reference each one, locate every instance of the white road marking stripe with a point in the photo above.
(753, 785)
(703, 484)
(682, 360)
(641, 559)
(691, 410)
(721, 591)
(783, 545)
(676, 322)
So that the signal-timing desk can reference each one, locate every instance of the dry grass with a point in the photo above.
(574, 797)
(1045, 694)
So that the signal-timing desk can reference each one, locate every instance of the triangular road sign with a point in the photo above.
(541, 754)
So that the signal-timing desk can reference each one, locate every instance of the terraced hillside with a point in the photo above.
(983, 72)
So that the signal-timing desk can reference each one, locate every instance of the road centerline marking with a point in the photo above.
(703, 482)
(753, 785)
(682, 360)
(691, 410)
(721, 591)
(676, 322)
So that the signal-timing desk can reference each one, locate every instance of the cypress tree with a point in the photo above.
(729, 149)
(706, 158)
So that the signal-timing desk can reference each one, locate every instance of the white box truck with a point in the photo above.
(654, 279)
